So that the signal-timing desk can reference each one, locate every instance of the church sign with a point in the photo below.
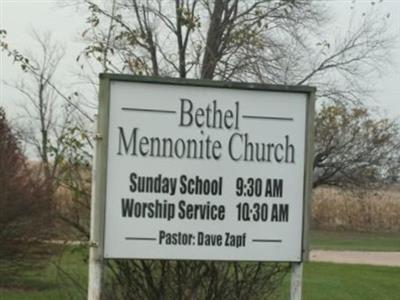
(205, 170)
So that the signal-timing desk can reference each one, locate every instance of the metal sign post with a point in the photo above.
(296, 281)
(99, 178)
(296, 272)
(95, 251)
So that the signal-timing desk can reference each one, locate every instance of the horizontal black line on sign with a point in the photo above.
(150, 110)
(267, 118)
(140, 239)
(266, 241)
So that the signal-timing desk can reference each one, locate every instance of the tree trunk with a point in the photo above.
(214, 34)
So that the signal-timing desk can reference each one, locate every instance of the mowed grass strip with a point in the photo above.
(354, 241)
(350, 282)
(328, 281)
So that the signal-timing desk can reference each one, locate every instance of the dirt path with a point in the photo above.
(357, 257)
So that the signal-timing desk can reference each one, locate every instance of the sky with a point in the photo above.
(66, 24)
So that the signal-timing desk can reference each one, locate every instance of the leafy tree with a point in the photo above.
(25, 208)
(353, 148)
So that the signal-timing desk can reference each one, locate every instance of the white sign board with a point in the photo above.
(205, 172)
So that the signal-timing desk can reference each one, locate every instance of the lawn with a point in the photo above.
(326, 281)
(334, 281)
(326, 240)
(56, 281)
(321, 280)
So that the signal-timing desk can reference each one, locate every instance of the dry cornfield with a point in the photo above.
(355, 210)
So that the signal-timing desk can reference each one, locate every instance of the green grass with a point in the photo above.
(326, 281)
(52, 282)
(326, 240)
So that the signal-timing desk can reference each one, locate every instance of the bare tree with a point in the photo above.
(201, 39)
(38, 68)
(49, 112)
(56, 126)
(278, 42)
(41, 112)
